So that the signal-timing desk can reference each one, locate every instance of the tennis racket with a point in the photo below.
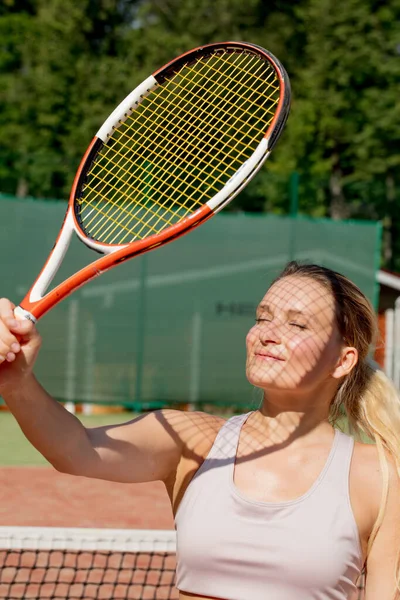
(177, 150)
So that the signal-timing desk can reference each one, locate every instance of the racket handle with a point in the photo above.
(21, 313)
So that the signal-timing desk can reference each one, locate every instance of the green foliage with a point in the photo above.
(65, 64)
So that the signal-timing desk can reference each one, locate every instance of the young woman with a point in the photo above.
(276, 504)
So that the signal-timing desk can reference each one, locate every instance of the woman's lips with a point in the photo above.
(269, 356)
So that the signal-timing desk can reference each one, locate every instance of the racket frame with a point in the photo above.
(37, 302)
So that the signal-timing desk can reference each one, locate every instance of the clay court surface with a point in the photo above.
(39, 496)
(33, 494)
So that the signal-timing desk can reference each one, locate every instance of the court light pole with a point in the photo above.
(141, 334)
(294, 210)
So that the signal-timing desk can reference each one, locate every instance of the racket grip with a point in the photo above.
(21, 313)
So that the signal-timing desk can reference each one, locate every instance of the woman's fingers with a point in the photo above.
(13, 331)
(9, 344)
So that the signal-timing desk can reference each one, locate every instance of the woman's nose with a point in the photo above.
(270, 331)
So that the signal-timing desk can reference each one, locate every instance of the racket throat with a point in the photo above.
(41, 285)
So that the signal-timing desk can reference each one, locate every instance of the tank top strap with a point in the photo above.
(226, 441)
(338, 470)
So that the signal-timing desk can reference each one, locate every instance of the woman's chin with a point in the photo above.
(271, 383)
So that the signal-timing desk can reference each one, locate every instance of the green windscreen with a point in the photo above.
(169, 327)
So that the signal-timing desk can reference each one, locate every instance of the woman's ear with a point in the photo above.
(347, 361)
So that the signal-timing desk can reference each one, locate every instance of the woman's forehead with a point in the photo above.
(299, 293)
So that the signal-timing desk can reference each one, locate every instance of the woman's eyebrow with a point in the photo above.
(292, 312)
(263, 307)
(295, 312)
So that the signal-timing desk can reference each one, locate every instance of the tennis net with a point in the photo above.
(46, 563)
(86, 564)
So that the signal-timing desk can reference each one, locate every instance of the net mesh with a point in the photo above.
(86, 564)
(179, 146)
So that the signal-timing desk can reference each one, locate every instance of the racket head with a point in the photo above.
(180, 146)
(177, 150)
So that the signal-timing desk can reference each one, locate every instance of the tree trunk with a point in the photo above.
(389, 224)
(22, 188)
(338, 207)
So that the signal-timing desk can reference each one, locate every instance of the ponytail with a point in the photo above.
(372, 406)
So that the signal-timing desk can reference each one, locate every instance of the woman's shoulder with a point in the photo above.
(366, 460)
(366, 466)
(197, 432)
(368, 475)
(196, 429)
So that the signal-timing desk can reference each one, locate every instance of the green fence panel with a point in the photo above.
(170, 326)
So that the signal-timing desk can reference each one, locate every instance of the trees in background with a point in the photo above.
(65, 64)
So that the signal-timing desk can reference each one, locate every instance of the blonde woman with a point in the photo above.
(276, 504)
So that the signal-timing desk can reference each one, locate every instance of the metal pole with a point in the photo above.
(71, 357)
(396, 344)
(195, 357)
(389, 342)
(294, 194)
(140, 339)
(294, 209)
(89, 365)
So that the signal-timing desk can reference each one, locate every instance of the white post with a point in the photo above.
(195, 357)
(72, 342)
(89, 362)
(396, 344)
(389, 342)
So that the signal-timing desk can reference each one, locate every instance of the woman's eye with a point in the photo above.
(298, 325)
(263, 320)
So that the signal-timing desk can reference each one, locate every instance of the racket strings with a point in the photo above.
(238, 97)
(176, 183)
(154, 164)
(223, 100)
(179, 147)
(190, 116)
(154, 188)
(163, 219)
(194, 115)
(172, 115)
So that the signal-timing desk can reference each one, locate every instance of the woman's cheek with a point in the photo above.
(305, 349)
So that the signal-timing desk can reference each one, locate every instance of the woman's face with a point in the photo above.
(295, 343)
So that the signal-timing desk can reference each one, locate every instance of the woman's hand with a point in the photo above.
(19, 346)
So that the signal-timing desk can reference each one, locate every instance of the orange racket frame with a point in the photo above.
(37, 301)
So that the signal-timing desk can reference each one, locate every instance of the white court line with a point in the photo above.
(156, 281)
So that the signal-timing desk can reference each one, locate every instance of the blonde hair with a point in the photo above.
(368, 398)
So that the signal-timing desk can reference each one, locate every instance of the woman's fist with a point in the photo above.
(19, 346)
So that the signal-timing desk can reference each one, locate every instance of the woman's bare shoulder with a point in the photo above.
(366, 460)
(365, 456)
(197, 430)
(367, 474)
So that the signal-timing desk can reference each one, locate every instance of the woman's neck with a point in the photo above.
(284, 422)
